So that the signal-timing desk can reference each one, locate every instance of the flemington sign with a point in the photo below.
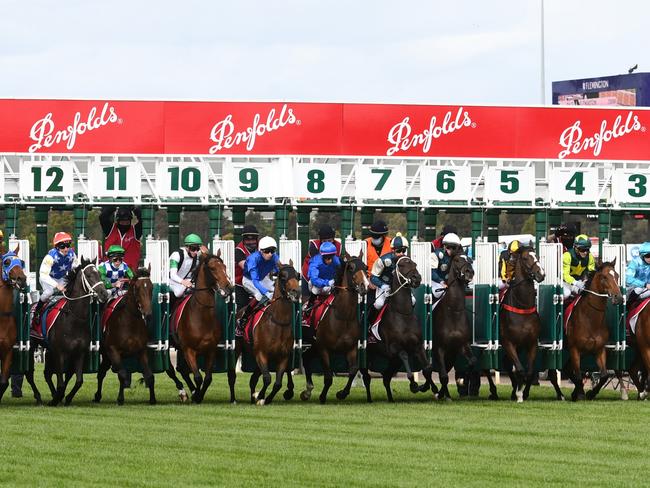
(323, 129)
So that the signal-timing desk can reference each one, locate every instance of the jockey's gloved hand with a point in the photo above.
(327, 289)
(580, 284)
(575, 289)
(269, 295)
(264, 299)
(331, 282)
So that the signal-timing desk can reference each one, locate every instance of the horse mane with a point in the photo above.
(340, 271)
(71, 276)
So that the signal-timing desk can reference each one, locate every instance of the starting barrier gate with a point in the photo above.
(225, 310)
(291, 251)
(550, 306)
(354, 248)
(89, 249)
(483, 305)
(22, 301)
(616, 314)
(421, 256)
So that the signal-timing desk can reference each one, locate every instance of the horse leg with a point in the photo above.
(443, 374)
(171, 372)
(207, 379)
(353, 365)
(104, 366)
(530, 373)
(79, 371)
(387, 376)
(185, 372)
(306, 364)
(601, 361)
(263, 364)
(644, 362)
(253, 383)
(232, 374)
(517, 377)
(288, 393)
(328, 376)
(149, 378)
(552, 377)
(366, 382)
(190, 357)
(621, 384)
(404, 357)
(576, 376)
(4, 376)
(427, 371)
(279, 373)
(59, 391)
(29, 376)
(507, 367)
(634, 377)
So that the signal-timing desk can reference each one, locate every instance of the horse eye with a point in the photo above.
(7, 262)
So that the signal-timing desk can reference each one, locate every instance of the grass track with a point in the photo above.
(413, 442)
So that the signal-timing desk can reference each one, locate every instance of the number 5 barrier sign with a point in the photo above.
(380, 182)
(630, 186)
(445, 183)
(252, 180)
(317, 180)
(43, 179)
(113, 179)
(510, 184)
(574, 185)
(178, 180)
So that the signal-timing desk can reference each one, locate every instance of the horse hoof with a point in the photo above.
(415, 388)
(52, 403)
(513, 395)
(493, 396)
(182, 396)
(39, 402)
(624, 395)
(288, 394)
(97, 399)
(424, 388)
(341, 395)
(153, 402)
(643, 395)
(520, 397)
(255, 395)
(305, 395)
(120, 402)
(591, 395)
(260, 402)
(322, 399)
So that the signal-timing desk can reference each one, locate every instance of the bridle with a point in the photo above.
(87, 287)
(403, 280)
(212, 282)
(460, 273)
(351, 285)
(14, 261)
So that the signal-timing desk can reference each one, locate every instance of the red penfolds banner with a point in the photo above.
(328, 129)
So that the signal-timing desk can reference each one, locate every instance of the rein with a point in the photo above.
(86, 285)
(399, 277)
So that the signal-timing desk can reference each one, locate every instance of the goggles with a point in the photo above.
(270, 250)
(63, 245)
(193, 248)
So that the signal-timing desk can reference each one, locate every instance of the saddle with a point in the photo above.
(43, 320)
(177, 313)
(312, 316)
(110, 307)
(373, 330)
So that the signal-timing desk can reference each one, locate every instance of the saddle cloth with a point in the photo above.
(42, 324)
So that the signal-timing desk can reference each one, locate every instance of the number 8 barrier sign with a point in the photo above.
(317, 180)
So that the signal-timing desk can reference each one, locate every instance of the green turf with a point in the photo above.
(414, 442)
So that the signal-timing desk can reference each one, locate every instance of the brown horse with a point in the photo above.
(199, 329)
(519, 321)
(13, 276)
(272, 339)
(587, 331)
(126, 335)
(338, 330)
(640, 342)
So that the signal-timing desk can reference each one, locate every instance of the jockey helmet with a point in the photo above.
(644, 249)
(514, 246)
(582, 242)
(123, 213)
(451, 239)
(325, 232)
(399, 242)
(379, 228)
(60, 237)
(249, 230)
(266, 243)
(193, 239)
(115, 250)
(327, 249)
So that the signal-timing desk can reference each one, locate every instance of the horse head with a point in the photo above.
(356, 271)
(461, 269)
(218, 272)
(604, 281)
(13, 269)
(406, 272)
(288, 281)
(142, 288)
(91, 283)
(528, 265)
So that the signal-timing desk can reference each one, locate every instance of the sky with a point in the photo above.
(435, 52)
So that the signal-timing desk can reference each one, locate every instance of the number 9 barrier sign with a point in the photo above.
(445, 183)
(380, 182)
(178, 180)
(252, 180)
(114, 179)
(44, 179)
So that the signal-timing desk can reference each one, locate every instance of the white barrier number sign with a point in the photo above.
(317, 180)
(42, 179)
(510, 184)
(251, 180)
(445, 183)
(574, 185)
(111, 179)
(630, 186)
(380, 182)
(175, 180)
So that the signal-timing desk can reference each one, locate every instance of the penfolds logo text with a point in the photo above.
(45, 134)
(573, 141)
(225, 136)
(401, 138)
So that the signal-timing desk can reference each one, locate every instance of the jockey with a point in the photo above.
(378, 244)
(322, 269)
(182, 264)
(437, 243)
(325, 234)
(384, 267)
(245, 248)
(55, 266)
(506, 263)
(637, 274)
(440, 261)
(574, 263)
(566, 235)
(257, 269)
(114, 271)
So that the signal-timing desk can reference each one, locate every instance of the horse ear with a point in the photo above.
(17, 249)
(291, 262)
(346, 256)
(361, 254)
(599, 262)
(218, 253)
(614, 262)
(149, 268)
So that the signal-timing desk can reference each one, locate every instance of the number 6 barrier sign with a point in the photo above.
(113, 179)
(177, 180)
(43, 179)
(445, 183)
(380, 182)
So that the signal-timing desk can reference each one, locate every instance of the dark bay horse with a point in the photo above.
(338, 330)
(452, 332)
(519, 322)
(640, 342)
(400, 331)
(587, 331)
(69, 339)
(199, 329)
(126, 335)
(13, 277)
(272, 339)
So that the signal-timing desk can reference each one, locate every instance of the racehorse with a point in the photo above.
(400, 332)
(272, 339)
(13, 277)
(199, 330)
(586, 330)
(519, 322)
(68, 342)
(126, 335)
(338, 329)
(452, 333)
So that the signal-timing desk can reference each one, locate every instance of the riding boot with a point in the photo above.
(37, 313)
(241, 321)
